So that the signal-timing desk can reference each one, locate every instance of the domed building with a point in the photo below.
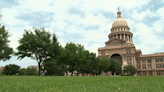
(120, 46)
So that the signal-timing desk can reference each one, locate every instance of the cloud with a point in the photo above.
(158, 26)
(141, 16)
(161, 13)
(147, 38)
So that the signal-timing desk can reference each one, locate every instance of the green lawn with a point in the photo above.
(81, 84)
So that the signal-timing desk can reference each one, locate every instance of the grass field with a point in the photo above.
(81, 84)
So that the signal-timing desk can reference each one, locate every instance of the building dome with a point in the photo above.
(119, 22)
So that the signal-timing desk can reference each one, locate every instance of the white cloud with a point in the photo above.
(158, 26)
(148, 39)
(161, 13)
(142, 15)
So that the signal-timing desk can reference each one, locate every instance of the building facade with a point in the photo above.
(120, 46)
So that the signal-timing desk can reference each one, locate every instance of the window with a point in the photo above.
(160, 73)
(159, 65)
(159, 60)
(144, 73)
(143, 61)
(103, 53)
(138, 61)
(143, 66)
(128, 51)
(138, 66)
(129, 59)
(150, 73)
(138, 55)
(149, 66)
(149, 60)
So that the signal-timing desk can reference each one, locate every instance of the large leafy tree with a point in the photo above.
(5, 50)
(130, 69)
(11, 69)
(104, 64)
(72, 55)
(38, 46)
(115, 66)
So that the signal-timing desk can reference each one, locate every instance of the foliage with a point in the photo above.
(52, 68)
(31, 71)
(104, 64)
(22, 71)
(73, 55)
(115, 66)
(1, 72)
(11, 69)
(5, 50)
(130, 69)
(38, 46)
(81, 84)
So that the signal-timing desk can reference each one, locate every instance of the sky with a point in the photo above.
(87, 22)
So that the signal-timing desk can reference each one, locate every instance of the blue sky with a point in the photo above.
(87, 22)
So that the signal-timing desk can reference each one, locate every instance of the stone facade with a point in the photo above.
(120, 46)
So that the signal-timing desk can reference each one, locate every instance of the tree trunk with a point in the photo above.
(39, 68)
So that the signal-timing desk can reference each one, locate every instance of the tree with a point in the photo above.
(38, 46)
(31, 71)
(72, 56)
(104, 64)
(130, 69)
(22, 71)
(11, 69)
(5, 50)
(93, 64)
(115, 66)
(52, 68)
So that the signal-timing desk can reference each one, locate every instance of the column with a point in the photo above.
(116, 36)
(132, 60)
(128, 37)
(124, 36)
(132, 38)
(120, 36)
(141, 67)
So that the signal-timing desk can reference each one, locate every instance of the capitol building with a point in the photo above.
(120, 46)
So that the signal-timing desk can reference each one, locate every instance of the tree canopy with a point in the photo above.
(38, 46)
(5, 50)
(130, 69)
(73, 55)
(115, 66)
(11, 69)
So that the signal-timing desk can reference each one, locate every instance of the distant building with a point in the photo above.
(1, 68)
(35, 66)
(120, 46)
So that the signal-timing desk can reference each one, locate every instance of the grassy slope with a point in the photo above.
(81, 84)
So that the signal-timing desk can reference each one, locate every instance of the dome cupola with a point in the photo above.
(120, 24)
(120, 29)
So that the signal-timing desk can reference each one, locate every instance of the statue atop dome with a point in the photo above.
(119, 13)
